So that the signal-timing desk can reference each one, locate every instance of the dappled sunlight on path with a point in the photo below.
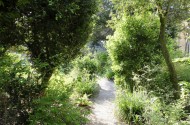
(103, 108)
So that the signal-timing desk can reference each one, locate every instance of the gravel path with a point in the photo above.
(103, 107)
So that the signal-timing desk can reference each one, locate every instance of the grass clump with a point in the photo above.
(130, 106)
(141, 108)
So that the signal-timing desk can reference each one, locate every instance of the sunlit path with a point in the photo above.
(103, 108)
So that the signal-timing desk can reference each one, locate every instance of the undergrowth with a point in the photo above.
(142, 108)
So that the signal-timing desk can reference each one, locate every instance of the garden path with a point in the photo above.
(103, 105)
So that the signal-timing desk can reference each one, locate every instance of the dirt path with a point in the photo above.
(103, 108)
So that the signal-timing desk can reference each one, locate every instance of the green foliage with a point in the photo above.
(86, 62)
(163, 114)
(109, 74)
(83, 101)
(20, 93)
(101, 30)
(19, 85)
(131, 106)
(173, 49)
(55, 108)
(84, 84)
(81, 85)
(182, 66)
(53, 31)
(133, 46)
(97, 63)
(141, 108)
(156, 80)
(103, 63)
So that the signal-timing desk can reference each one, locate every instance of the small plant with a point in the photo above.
(131, 106)
(84, 100)
(109, 74)
(85, 84)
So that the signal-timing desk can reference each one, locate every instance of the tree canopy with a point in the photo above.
(165, 11)
(53, 31)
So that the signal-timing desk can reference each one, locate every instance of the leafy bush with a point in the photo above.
(103, 63)
(173, 48)
(19, 85)
(142, 108)
(182, 66)
(131, 106)
(55, 108)
(86, 63)
(133, 46)
(82, 85)
(156, 80)
(84, 100)
(85, 84)
(109, 73)
(22, 101)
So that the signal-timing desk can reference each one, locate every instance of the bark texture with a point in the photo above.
(166, 55)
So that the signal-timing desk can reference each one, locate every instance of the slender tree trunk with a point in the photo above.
(168, 60)
(46, 75)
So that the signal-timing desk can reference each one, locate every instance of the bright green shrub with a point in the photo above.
(86, 63)
(141, 108)
(157, 113)
(20, 93)
(109, 73)
(183, 69)
(133, 46)
(84, 84)
(55, 109)
(103, 63)
(173, 48)
(83, 101)
(95, 63)
(130, 106)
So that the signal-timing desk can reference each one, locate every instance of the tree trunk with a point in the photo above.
(46, 75)
(168, 60)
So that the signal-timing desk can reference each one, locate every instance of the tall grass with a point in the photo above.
(141, 108)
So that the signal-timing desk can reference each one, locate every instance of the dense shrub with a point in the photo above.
(86, 63)
(109, 74)
(85, 84)
(97, 63)
(103, 63)
(142, 108)
(133, 46)
(182, 66)
(22, 101)
(19, 85)
(131, 106)
(56, 108)
(155, 80)
(81, 85)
